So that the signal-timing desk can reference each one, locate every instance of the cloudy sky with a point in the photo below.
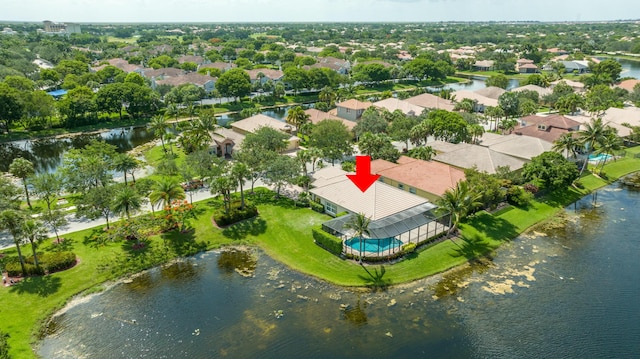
(315, 10)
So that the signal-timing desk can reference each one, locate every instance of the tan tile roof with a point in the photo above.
(493, 92)
(222, 133)
(528, 66)
(316, 116)
(628, 84)
(391, 104)
(268, 73)
(430, 176)
(623, 131)
(483, 158)
(524, 147)
(122, 64)
(222, 66)
(354, 104)
(190, 58)
(542, 91)
(484, 63)
(379, 201)
(550, 134)
(251, 124)
(189, 78)
(482, 100)
(427, 100)
(555, 120)
(163, 72)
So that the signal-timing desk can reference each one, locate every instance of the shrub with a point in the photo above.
(14, 270)
(518, 196)
(409, 247)
(318, 207)
(57, 261)
(235, 215)
(327, 241)
(343, 213)
(4, 346)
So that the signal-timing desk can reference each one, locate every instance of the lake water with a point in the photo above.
(630, 68)
(570, 292)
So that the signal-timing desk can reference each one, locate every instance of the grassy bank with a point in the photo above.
(24, 307)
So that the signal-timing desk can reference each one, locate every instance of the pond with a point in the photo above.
(569, 291)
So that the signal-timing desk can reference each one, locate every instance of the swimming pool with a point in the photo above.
(374, 244)
(600, 157)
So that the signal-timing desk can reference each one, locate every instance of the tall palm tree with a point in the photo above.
(12, 221)
(609, 144)
(127, 200)
(475, 131)
(327, 95)
(240, 173)
(125, 163)
(166, 190)
(303, 156)
(159, 126)
(567, 144)
(592, 134)
(297, 117)
(359, 223)
(420, 133)
(23, 169)
(458, 201)
(34, 232)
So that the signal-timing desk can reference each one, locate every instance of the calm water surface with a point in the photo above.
(565, 292)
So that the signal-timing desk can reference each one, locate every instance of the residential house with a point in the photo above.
(617, 118)
(548, 128)
(392, 104)
(352, 109)
(220, 65)
(206, 82)
(493, 92)
(542, 91)
(428, 179)
(315, 116)
(576, 66)
(518, 146)
(225, 141)
(484, 65)
(264, 75)
(575, 85)
(162, 73)
(404, 56)
(427, 100)
(528, 69)
(253, 123)
(465, 155)
(198, 60)
(481, 102)
(628, 85)
(122, 64)
(340, 66)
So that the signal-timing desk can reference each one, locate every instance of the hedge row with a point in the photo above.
(327, 241)
(235, 215)
(318, 207)
(49, 262)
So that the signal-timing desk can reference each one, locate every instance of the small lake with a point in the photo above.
(630, 68)
(571, 292)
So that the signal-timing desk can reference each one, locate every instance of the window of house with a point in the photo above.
(412, 190)
(330, 207)
(400, 185)
(348, 110)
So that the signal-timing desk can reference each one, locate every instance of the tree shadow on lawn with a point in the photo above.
(43, 286)
(183, 243)
(471, 247)
(493, 227)
(561, 198)
(375, 280)
(254, 226)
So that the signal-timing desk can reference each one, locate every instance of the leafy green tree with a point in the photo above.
(510, 103)
(126, 164)
(599, 98)
(9, 195)
(606, 72)
(197, 134)
(551, 169)
(111, 98)
(448, 126)
(23, 169)
(333, 138)
(297, 117)
(570, 103)
(265, 139)
(373, 72)
(12, 221)
(378, 146)
(281, 171)
(420, 133)
(498, 80)
(422, 153)
(234, 83)
(371, 121)
(20, 83)
(39, 106)
(109, 74)
(400, 129)
(47, 186)
(11, 106)
(159, 126)
(74, 67)
(538, 80)
(77, 106)
(162, 61)
(89, 166)
(240, 172)
(459, 202)
(489, 188)
(224, 185)
(296, 78)
(126, 201)
(34, 232)
(96, 203)
(359, 224)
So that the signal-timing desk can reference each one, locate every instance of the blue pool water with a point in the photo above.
(374, 245)
(600, 157)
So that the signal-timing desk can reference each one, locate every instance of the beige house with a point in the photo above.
(465, 155)
(542, 91)
(352, 109)
(392, 104)
(518, 146)
(548, 128)
(253, 123)
(225, 141)
(493, 92)
(428, 179)
(481, 102)
(315, 116)
(427, 100)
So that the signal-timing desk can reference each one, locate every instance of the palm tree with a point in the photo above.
(420, 133)
(458, 201)
(567, 144)
(422, 153)
(166, 190)
(12, 221)
(47, 186)
(314, 155)
(159, 126)
(297, 117)
(22, 169)
(224, 185)
(609, 144)
(327, 95)
(34, 232)
(303, 156)
(359, 223)
(475, 131)
(592, 134)
(240, 172)
(125, 163)
(127, 200)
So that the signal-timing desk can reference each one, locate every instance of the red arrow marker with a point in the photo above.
(363, 177)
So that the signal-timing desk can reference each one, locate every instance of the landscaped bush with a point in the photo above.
(327, 241)
(14, 270)
(235, 215)
(343, 213)
(318, 207)
(409, 247)
(518, 196)
(49, 262)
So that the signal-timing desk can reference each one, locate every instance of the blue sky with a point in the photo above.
(315, 10)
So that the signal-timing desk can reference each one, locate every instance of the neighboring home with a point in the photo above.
(162, 73)
(394, 213)
(628, 115)
(160, 49)
(404, 56)
(465, 155)
(198, 60)
(315, 116)
(575, 85)
(427, 100)
(548, 128)
(528, 69)
(264, 75)
(622, 131)
(220, 65)
(351, 109)
(253, 123)
(626, 84)
(576, 66)
(518, 146)
(521, 62)
(484, 65)
(340, 66)
(206, 82)
(122, 64)
(493, 92)
(557, 51)
(481, 102)
(224, 142)
(428, 179)
(392, 104)
(542, 91)
(42, 63)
